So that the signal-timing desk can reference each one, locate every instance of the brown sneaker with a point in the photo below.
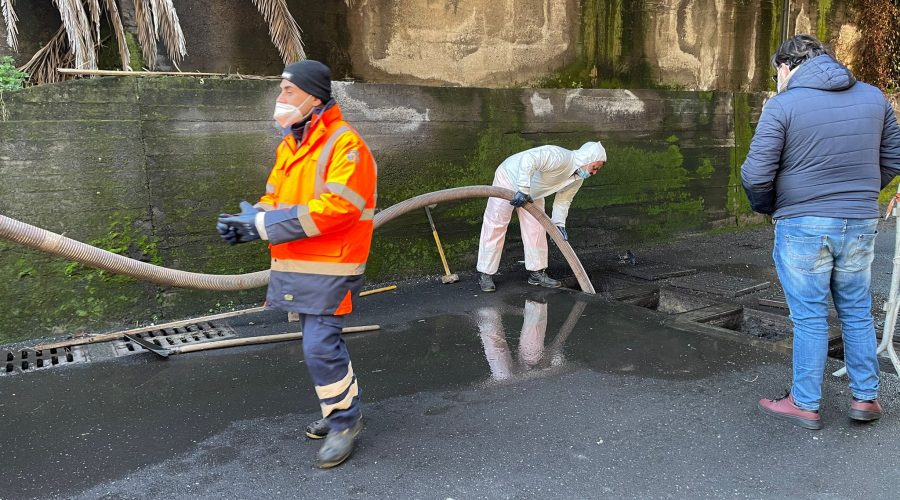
(785, 408)
(865, 410)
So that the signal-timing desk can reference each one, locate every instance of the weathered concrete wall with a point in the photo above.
(143, 166)
(689, 44)
(463, 42)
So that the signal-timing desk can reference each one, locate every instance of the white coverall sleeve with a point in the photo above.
(563, 200)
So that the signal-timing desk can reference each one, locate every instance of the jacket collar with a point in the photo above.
(312, 131)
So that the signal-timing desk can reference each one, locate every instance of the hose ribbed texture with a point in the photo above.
(52, 243)
(56, 244)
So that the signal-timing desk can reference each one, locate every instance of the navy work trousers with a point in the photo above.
(330, 368)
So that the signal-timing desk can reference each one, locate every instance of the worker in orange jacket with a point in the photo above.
(317, 215)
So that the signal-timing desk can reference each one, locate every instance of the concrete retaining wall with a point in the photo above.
(143, 166)
(697, 45)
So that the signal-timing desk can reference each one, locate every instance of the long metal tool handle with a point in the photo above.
(103, 337)
(437, 241)
(264, 339)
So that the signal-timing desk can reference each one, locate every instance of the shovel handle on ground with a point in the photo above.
(219, 344)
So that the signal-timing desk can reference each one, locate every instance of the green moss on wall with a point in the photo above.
(737, 204)
(824, 8)
(134, 50)
(705, 170)
(80, 297)
(611, 49)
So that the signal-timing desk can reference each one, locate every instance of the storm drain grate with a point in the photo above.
(720, 284)
(656, 271)
(29, 360)
(174, 337)
(777, 299)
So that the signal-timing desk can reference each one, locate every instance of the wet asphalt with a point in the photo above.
(522, 393)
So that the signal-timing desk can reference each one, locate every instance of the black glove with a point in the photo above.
(520, 199)
(562, 230)
(239, 228)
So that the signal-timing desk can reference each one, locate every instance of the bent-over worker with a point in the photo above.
(534, 174)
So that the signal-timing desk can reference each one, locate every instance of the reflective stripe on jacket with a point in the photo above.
(320, 205)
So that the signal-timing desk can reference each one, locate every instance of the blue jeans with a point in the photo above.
(815, 256)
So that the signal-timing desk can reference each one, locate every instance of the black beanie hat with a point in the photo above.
(312, 77)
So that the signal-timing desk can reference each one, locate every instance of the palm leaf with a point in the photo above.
(10, 19)
(146, 33)
(283, 29)
(124, 54)
(78, 31)
(168, 29)
(94, 9)
(55, 54)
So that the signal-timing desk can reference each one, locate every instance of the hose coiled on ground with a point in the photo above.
(56, 244)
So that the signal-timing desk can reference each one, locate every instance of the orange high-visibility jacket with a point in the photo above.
(319, 210)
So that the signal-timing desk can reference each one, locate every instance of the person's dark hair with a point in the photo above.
(797, 50)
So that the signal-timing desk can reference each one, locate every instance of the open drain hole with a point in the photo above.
(707, 311)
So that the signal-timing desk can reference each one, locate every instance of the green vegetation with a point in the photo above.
(737, 204)
(822, 19)
(10, 77)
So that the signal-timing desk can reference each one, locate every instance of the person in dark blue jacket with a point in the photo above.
(823, 149)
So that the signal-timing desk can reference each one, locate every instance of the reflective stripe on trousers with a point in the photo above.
(493, 232)
(329, 366)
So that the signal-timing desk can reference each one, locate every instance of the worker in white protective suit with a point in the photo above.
(534, 174)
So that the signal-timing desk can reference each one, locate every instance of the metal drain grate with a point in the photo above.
(777, 299)
(174, 337)
(720, 284)
(656, 271)
(29, 360)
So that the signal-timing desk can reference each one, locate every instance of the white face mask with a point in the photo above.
(287, 115)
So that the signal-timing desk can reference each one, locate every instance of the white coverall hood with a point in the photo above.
(589, 152)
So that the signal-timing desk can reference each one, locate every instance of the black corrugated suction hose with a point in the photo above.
(56, 244)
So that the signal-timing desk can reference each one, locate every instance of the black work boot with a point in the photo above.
(541, 278)
(338, 445)
(486, 282)
(318, 429)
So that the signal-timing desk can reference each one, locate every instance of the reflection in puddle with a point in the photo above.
(533, 356)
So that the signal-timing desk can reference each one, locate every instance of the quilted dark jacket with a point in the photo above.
(825, 146)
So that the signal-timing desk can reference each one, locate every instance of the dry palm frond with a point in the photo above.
(78, 30)
(42, 66)
(124, 54)
(168, 29)
(283, 29)
(10, 19)
(94, 9)
(146, 33)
